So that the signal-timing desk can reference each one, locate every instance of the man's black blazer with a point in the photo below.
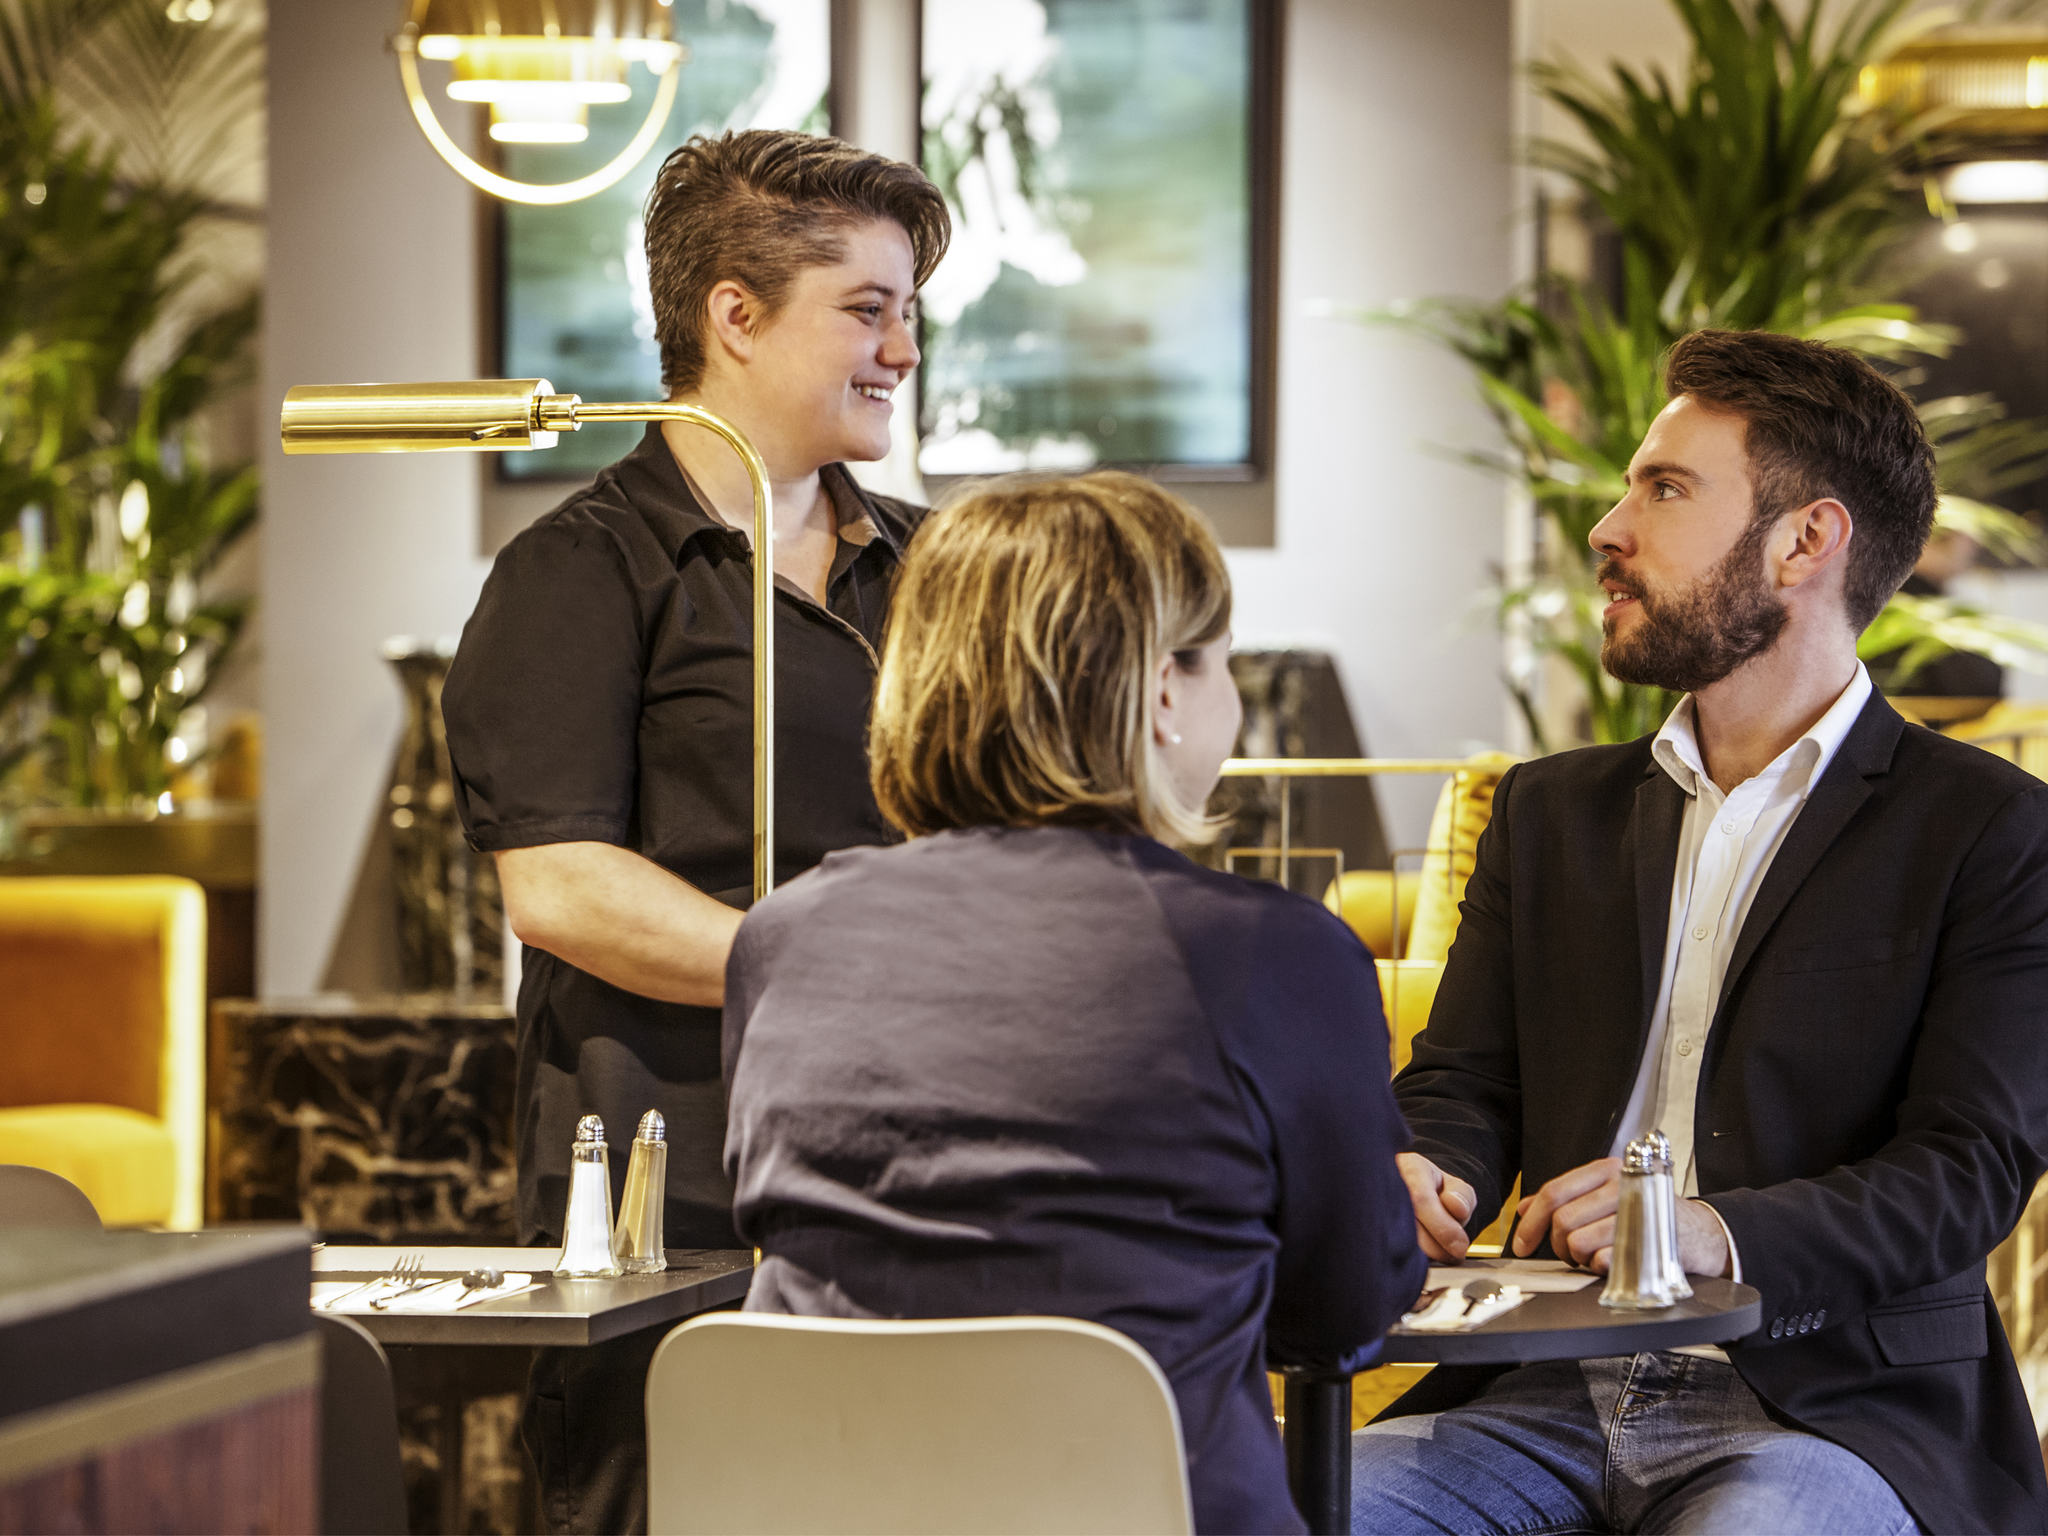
(1873, 1105)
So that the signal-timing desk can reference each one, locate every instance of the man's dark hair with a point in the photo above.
(1819, 422)
(759, 207)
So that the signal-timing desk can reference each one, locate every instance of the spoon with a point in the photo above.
(1477, 1292)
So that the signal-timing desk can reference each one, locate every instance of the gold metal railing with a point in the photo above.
(1288, 769)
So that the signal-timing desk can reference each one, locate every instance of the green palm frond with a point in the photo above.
(1923, 629)
(182, 102)
(113, 347)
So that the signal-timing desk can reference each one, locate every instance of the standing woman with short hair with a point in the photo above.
(600, 715)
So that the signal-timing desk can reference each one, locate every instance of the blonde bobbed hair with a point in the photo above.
(1027, 625)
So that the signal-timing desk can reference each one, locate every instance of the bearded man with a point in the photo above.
(1807, 941)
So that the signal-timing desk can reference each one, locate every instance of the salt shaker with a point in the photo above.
(1643, 1271)
(637, 1239)
(587, 1229)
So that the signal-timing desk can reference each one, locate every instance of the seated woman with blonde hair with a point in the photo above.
(1035, 1061)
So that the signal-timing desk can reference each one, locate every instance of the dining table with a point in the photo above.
(554, 1311)
(1559, 1318)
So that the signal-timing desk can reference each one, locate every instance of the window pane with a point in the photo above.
(575, 306)
(1096, 306)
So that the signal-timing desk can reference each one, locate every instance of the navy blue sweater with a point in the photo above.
(1003, 1071)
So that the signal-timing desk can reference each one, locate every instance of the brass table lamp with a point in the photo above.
(500, 415)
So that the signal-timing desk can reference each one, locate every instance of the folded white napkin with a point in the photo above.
(1454, 1312)
(442, 1296)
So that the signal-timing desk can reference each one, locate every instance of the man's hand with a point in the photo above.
(1576, 1211)
(1443, 1204)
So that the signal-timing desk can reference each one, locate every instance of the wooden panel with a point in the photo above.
(248, 1470)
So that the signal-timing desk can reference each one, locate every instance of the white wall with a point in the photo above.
(1395, 185)
(372, 276)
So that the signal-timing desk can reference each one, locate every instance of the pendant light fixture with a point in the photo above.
(540, 65)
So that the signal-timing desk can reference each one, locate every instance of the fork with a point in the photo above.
(404, 1268)
(406, 1271)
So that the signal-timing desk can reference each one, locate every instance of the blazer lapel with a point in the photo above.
(1866, 750)
(1654, 827)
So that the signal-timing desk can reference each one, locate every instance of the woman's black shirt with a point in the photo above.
(603, 693)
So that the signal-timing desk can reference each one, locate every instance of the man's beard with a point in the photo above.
(1690, 639)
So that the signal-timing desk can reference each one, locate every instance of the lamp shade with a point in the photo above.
(545, 18)
(1991, 81)
(540, 65)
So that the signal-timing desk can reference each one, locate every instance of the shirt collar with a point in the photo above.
(654, 483)
(1677, 749)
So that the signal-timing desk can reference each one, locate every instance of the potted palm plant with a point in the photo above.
(116, 117)
(1755, 190)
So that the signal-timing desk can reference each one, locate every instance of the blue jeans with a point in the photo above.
(1655, 1442)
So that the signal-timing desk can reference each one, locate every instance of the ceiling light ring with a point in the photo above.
(406, 45)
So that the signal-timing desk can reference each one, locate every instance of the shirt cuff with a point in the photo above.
(1734, 1253)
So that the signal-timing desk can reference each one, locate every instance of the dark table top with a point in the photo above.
(1572, 1325)
(82, 1311)
(571, 1312)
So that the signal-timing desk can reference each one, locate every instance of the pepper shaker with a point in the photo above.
(637, 1239)
(1643, 1271)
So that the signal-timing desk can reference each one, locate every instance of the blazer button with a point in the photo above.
(1820, 1317)
(1777, 1327)
(1806, 1323)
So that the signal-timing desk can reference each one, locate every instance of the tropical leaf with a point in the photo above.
(1751, 189)
(1925, 628)
(112, 516)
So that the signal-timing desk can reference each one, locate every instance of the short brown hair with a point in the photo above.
(1819, 421)
(1026, 627)
(757, 208)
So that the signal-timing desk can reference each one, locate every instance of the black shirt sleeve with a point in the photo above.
(543, 700)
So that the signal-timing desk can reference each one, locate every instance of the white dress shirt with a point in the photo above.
(1725, 847)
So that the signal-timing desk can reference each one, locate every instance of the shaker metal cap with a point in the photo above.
(590, 1131)
(1647, 1154)
(652, 1127)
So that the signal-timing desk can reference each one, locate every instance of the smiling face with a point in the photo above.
(1683, 557)
(826, 365)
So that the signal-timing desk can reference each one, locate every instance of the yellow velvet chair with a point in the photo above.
(103, 1040)
(1414, 915)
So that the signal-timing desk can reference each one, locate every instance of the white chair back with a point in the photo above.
(759, 1423)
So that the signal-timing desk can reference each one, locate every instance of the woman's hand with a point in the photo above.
(1443, 1204)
